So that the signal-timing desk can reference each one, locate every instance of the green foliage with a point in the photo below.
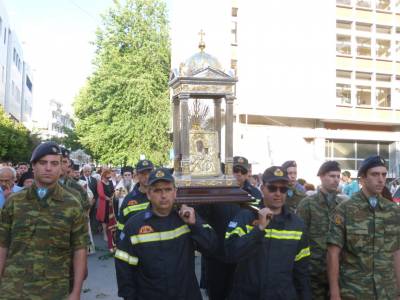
(16, 142)
(123, 110)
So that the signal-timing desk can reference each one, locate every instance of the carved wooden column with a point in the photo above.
(229, 135)
(184, 143)
(217, 122)
(176, 134)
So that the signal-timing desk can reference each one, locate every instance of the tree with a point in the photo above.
(16, 142)
(123, 110)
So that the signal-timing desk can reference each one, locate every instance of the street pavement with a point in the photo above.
(101, 282)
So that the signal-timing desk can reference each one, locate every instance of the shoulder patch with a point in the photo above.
(146, 229)
(338, 219)
(232, 224)
(132, 202)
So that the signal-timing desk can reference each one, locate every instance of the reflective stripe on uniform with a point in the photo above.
(124, 256)
(120, 226)
(283, 234)
(127, 210)
(303, 253)
(159, 236)
(238, 231)
(207, 226)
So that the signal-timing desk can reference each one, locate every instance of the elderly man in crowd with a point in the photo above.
(7, 186)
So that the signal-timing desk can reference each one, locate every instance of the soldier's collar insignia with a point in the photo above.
(41, 192)
(146, 229)
(278, 173)
(160, 174)
(145, 163)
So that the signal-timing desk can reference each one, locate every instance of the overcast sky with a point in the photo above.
(55, 37)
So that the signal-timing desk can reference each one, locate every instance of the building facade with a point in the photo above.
(311, 86)
(15, 75)
(58, 120)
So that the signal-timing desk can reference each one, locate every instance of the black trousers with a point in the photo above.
(219, 278)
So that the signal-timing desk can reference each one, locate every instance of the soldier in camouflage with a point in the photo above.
(316, 211)
(40, 227)
(365, 233)
(67, 182)
(296, 191)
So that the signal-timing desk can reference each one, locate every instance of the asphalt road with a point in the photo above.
(101, 282)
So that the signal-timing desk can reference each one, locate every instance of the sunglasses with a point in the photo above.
(239, 170)
(273, 188)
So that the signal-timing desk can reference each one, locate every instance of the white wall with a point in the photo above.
(286, 57)
(3, 52)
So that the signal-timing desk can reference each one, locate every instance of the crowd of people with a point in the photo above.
(340, 240)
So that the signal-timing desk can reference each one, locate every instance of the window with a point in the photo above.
(383, 77)
(234, 11)
(12, 88)
(383, 4)
(1, 26)
(350, 154)
(383, 97)
(363, 95)
(363, 76)
(383, 29)
(343, 74)
(383, 48)
(363, 46)
(398, 50)
(363, 27)
(343, 94)
(343, 44)
(29, 83)
(5, 35)
(234, 33)
(343, 25)
(363, 3)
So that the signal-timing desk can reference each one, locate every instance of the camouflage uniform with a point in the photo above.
(40, 235)
(293, 198)
(316, 211)
(368, 237)
(77, 190)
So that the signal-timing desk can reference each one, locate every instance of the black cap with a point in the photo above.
(240, 161)
(126, 169)
(289, 164)
(65, 152)
(275, 173)
(46, 148)
(160, 174)
(25, 176)
(371, 162)
(328, 166)
(143, 165)
(75, 167)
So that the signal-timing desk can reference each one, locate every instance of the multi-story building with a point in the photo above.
(317, 80)
(58, 120)
(15, 75)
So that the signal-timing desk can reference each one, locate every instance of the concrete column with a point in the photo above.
(184, 134)
(176, 121)
(217, 122)
(229, 135)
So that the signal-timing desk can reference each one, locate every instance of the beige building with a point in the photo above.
(317, 80)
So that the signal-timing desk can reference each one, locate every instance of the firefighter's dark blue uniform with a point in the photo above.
(155, 257)
(134, 202)
(271, 264)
